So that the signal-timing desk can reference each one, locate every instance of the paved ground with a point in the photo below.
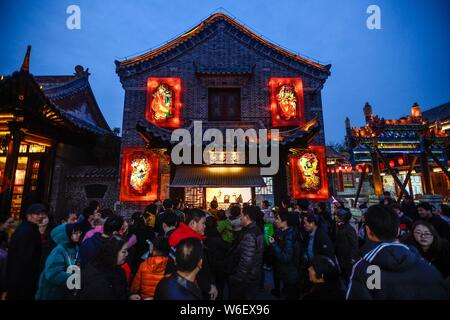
(268, 285)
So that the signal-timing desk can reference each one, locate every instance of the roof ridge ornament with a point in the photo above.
(26, 61)
(80, 72)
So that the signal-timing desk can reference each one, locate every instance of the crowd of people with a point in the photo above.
(172, 252)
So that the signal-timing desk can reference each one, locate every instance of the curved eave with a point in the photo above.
(300, 137)
(124, 64)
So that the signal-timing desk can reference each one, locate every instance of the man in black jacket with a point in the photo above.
(346, 242)
(318, 241)
(24, 254)
(286, 248)
(181, 285)
(247, 258)
(425, 211)
(391, 270)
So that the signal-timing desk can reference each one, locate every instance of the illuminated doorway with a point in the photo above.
(227, 196)
(27, 178)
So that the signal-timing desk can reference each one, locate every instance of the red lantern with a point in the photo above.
(391, 163)
(360, 170)
(332, 170)
(400, 161)
(381, 166)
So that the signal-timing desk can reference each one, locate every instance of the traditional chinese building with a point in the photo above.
(226, 76)
(56, 146)
(404, 156)
(344, 178)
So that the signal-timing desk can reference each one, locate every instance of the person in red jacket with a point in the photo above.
(193, 227)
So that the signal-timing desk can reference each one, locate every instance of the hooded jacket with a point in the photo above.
(150, 272)
(52, 282)
(403, 275)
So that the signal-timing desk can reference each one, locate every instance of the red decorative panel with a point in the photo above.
(286, 102)
(139, 175)
(164, 102)
(309, 174)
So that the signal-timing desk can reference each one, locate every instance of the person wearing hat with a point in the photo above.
(24, 254)
(346, 243)
(52, 282)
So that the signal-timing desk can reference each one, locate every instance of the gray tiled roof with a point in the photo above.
(93, 172)
(441, 112)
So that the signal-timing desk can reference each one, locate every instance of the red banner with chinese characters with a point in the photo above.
(309, 174)
(164, 102)
(286, 102)
(139, 180)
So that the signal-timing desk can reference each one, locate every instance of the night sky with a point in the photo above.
(407, 61)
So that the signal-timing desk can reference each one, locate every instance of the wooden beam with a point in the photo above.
(407, 178)
(361, 180)
(391, 171)
(377, 182)
(426, 176)
(440, 164)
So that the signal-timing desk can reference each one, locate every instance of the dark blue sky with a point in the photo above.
(407, 60)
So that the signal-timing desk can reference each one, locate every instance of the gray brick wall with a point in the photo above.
(218, 50)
